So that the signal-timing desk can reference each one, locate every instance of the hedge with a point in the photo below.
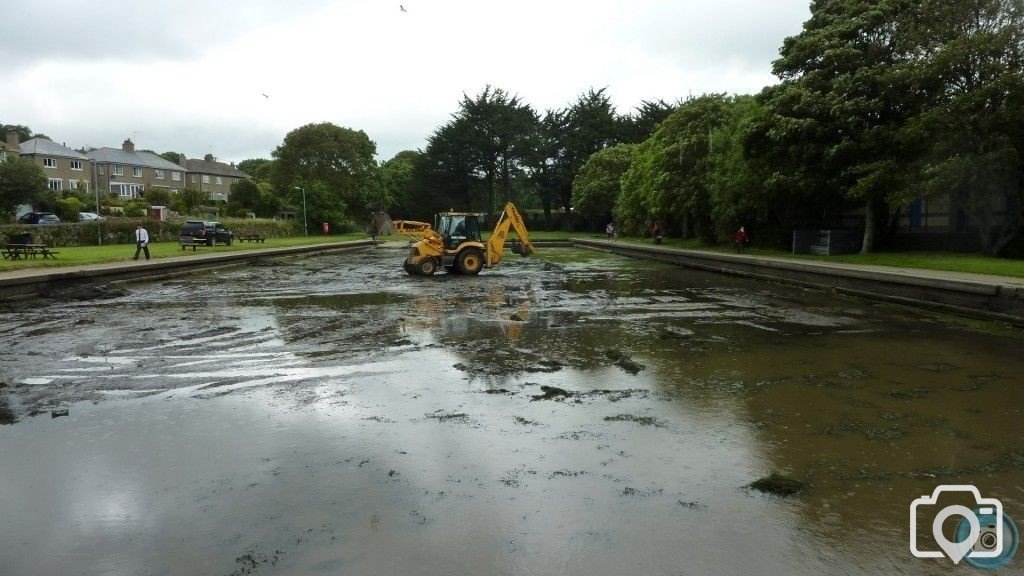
(122, 230)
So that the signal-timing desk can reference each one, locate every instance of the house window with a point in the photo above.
(3, 155)
(193, 178)
(206, 179)
(76, 165)
(126, 190)
(118, 170)
(158, 174)
(78, 185)
(137, 172)
(50, 162)
(102, 170)
(219, 180)
(56, 184)
(176, 176)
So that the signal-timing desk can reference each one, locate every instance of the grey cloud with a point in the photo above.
(122, 30)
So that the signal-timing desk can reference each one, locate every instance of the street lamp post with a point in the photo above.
(305, 226)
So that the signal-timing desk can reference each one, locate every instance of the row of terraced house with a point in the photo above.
(122, 172)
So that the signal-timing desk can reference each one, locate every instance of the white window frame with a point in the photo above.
(193, 178)
(206, 178)
(49, 162)
(118, 170)
(78, 184)
(220, 181)
(56, 184)
(176, 176)
(158, 174)
(101, 169)
(76, 165)
(127, 190)
(136, 172)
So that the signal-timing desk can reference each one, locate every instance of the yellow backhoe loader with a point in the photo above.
(455, 243)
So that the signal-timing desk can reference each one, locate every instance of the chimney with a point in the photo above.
(128, 146)
(232, 164)
(182, 161)
(208, 158)
(12, 139)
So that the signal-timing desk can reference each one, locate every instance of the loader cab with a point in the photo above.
(457, 227)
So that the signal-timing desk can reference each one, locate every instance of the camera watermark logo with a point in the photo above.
(985, 537)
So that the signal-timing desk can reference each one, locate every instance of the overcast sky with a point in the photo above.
(189, 75)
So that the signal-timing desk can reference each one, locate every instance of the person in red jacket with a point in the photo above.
(742, 238)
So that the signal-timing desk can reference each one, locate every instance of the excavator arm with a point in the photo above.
(510, 218)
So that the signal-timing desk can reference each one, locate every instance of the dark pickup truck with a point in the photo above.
(201, 233)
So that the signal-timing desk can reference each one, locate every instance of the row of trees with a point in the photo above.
(880, 103)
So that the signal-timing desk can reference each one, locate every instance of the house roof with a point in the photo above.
(119, 156)
(215, 168)
(44, 147)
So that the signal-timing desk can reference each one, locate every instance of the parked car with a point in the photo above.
(39, 218)
(89, 217)
(210, 232)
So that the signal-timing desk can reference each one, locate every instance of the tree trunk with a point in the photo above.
(868, 245)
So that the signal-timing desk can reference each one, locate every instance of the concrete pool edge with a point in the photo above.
(983, 297)
(28, 283)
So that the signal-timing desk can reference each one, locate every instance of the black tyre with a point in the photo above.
(231, 240)
(427, 267)
(470, 261)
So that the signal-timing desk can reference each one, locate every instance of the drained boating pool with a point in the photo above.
(571, 413)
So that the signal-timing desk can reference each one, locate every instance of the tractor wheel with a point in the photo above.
(427, 267)
(470, 261)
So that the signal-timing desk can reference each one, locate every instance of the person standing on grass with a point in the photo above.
(141, 242)
(609, 230)
(742, 238)
(656, 231)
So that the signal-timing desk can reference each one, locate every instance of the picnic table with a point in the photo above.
(13, 251)
(252, 238)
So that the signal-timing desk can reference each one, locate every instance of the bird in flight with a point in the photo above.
(402, 8)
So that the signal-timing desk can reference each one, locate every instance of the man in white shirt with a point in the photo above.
(141, 242)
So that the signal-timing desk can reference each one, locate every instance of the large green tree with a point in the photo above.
(397, 183)
(591, 124)
(334, 166)
(598, 183)
(971, 63)
(21, 182)
(259, 168)
(491, 141)
(669, 179)
(844, 98)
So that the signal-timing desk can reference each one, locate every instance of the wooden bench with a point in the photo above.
(252, 238)
(187, 241)
(24, 251)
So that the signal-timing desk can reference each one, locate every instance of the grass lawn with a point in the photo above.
(945, 261)
(78, 255)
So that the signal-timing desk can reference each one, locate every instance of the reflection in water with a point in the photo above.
(346, 417)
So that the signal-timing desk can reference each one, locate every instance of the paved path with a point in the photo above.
(999, 297)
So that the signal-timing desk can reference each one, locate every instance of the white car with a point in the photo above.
(89, 217)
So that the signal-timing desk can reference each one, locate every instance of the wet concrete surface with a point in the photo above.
(571, 413)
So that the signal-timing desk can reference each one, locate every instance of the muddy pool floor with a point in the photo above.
(571, 413)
